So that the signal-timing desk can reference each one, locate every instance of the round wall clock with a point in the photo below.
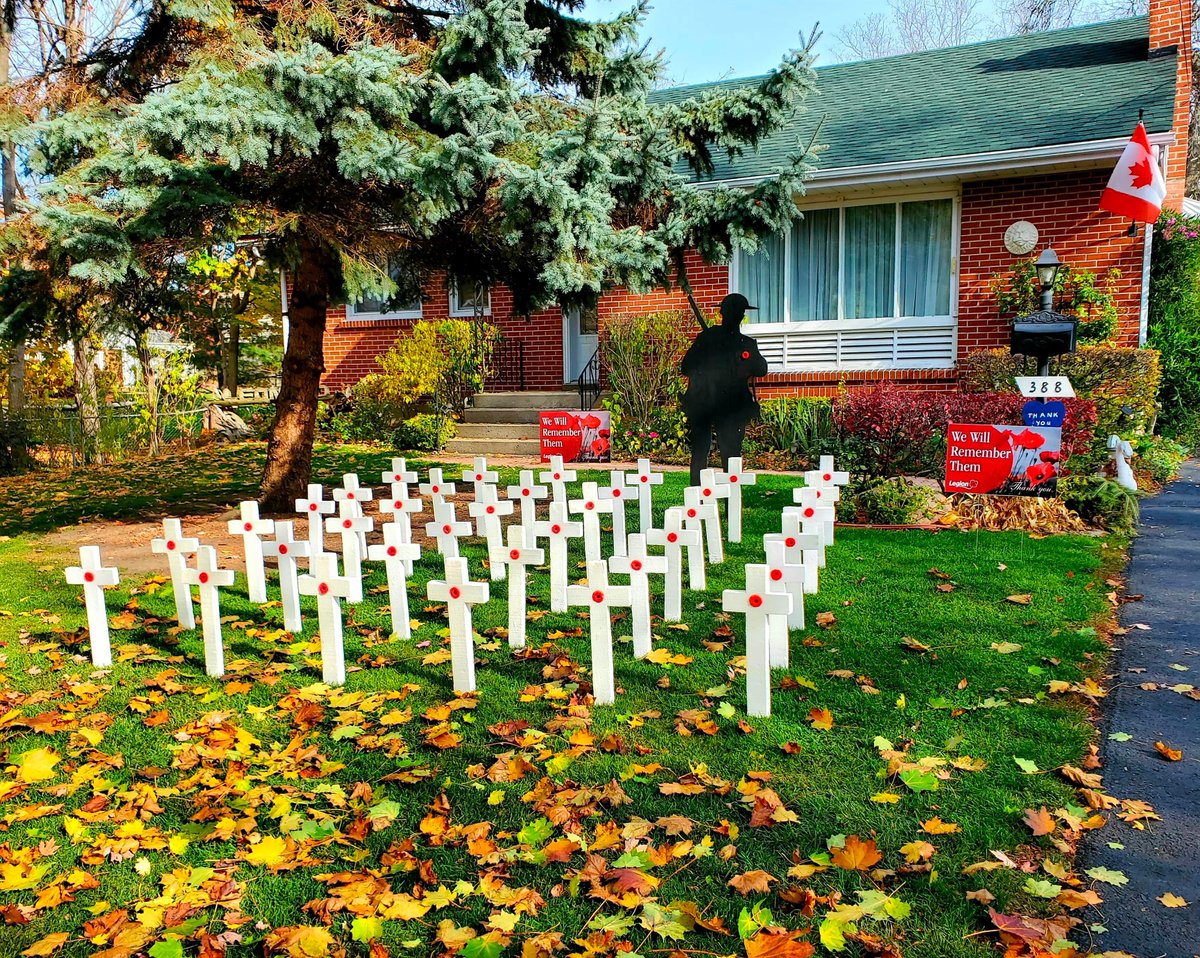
(1021, 238)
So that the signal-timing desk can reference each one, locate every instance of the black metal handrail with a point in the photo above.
(589, 381)
(508, 365)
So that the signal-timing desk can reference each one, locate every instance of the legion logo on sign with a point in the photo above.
(1003, 460)
(577, 435)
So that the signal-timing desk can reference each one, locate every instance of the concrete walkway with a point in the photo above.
(1165, 568)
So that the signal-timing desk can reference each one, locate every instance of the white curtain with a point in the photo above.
(870, 261)
(760, 280)
(814, 266)
(925, 244)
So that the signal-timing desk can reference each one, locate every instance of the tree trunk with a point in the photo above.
(87, 399)
(289, 447)
(8, 193)
(230, 351)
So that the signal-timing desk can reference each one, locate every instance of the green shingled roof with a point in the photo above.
(1041, 89)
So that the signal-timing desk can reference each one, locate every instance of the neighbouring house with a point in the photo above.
(931, 158)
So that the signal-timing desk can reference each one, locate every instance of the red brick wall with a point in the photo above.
(1063, 208)
(1171, 26)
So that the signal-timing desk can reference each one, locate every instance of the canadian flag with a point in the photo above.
(1136, 188)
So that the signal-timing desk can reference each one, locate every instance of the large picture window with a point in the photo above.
(855, 262)
(374, 308)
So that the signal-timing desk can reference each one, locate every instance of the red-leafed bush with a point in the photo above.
(888, 431)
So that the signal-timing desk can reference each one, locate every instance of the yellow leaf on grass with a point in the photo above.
(1023, 599)
(821, 718)
(37, 765)
(856, 854)
(48, 945)
(935, 826)
(886, 798)
(269, 852)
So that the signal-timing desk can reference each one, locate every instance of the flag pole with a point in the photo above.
(1132, 232)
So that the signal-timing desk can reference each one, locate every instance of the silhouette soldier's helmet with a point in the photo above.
(733, 309)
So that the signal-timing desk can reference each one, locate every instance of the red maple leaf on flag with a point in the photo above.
(1140, 174)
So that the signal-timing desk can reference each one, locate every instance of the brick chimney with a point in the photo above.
(1171, 30)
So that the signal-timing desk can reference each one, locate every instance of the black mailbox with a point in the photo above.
(1044, 334)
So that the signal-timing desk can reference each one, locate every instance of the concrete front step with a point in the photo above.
(526, 400)
(501, 416)
(499, 431)
(492, 447)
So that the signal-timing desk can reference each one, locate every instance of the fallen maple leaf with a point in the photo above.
(37, 765)
(778, 943)
(1171, 900)
(752, 881)
(857, 855)
(1023, 599)
(47, 946)
(935, 826)
(821, 718)
(1170, 754)
(1039, 821)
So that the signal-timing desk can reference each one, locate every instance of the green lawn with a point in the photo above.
(202, 814)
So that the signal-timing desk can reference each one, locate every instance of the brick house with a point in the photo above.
(931, 158)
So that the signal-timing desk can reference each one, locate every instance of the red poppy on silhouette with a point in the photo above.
(600, 446)
(589, 421)
(1050, 456)
(1042, 472)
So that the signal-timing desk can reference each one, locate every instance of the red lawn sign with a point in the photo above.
(1003, 460)
(576, 435)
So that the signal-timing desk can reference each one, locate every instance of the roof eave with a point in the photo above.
(1029, 160)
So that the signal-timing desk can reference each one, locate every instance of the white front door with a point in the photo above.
(580, 339)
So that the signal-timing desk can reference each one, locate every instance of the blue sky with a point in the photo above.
(710, 39)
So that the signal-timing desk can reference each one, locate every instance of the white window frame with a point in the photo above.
(356, 315)
(841, 325)
(460, 312)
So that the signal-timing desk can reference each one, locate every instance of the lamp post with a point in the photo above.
(1047, 270)
(1045, 333)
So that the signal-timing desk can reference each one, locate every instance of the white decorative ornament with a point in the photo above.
(1021, 238)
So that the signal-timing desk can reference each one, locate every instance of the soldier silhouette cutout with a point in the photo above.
(719, 366)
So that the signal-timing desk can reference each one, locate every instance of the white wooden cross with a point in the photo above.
(529, 495)
(616, 492)
(486, 511)
(558, 476)
(175, 546)
(315, 507)
(519, 554)
(447, 529)
(356, 495)
(788, 577)
(94, 577)
(559, 531)
(815, 511)
(646, 478)
(826, 475)
(437, 488)
(757, 603)
(589, 506)
(210, 579)
(329, 588)
(249, 526)
(600, 597)
(711, 493)
(353, 529)
(639, 565)
(696, 516)
(480, 475)
(735, 478)
(804, 548)
(400, 477)
(402, 509)
(398, 557)
(459, 593)
(286, 549)
(673, 537)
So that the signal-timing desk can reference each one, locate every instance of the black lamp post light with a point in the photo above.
(1045, 333)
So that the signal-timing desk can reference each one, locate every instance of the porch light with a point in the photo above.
(1047, 269)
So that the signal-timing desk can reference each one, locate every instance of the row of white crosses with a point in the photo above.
(773, 599)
